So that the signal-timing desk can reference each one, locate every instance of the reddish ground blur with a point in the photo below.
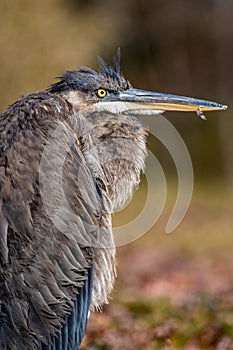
(166, 302)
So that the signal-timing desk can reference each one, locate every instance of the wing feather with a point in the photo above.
(46, 266)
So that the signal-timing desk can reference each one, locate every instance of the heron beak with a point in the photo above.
(147, 102)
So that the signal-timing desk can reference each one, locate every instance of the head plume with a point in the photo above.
(87, 79)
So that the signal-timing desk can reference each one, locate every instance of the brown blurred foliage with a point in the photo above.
(182, 47)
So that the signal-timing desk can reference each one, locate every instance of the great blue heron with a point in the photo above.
(51, 274)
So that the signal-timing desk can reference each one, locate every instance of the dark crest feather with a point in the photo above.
(109, 71)
(117, 61)
(87, 79)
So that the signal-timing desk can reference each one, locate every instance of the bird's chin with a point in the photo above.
(126, 108)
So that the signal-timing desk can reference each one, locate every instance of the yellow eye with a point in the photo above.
(101, 93)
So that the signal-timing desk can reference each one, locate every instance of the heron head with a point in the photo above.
(108, 90)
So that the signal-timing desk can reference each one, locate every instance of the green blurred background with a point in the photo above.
(182, 47)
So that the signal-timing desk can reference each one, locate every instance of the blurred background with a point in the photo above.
(173, 291)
